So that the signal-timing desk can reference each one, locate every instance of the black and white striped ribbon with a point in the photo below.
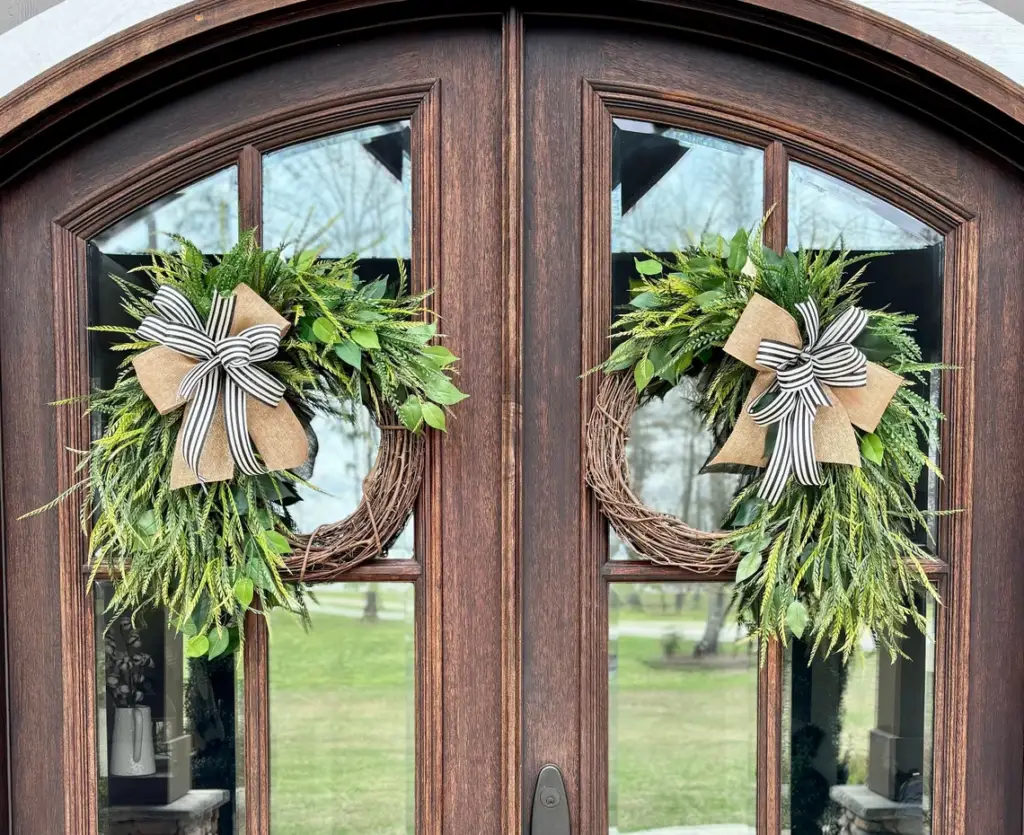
(793, 399)
(226, 364)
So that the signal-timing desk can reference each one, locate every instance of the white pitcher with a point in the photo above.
(131, 752)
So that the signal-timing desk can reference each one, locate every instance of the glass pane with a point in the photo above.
(344, 194)
(168, 759)
(166, 730)
(671, 188)
(682, 711)
(826, 213)
(859, 737)
(347, 449)
(342, 714)
(205, 212)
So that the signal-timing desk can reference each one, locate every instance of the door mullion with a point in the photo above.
(769, 681)
(511, 421)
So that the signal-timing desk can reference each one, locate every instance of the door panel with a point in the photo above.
(577, 79)
(454, 74)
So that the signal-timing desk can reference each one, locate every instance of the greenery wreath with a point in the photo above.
(208, 552)
(822, 561)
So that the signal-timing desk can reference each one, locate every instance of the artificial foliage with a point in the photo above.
(824, 562)
(208, 553)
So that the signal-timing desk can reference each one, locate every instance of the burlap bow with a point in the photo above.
(230, 403)
(816, 391)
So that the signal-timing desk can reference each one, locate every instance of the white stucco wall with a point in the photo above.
(973, 26)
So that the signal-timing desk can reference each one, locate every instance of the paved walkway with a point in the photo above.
(710, 829)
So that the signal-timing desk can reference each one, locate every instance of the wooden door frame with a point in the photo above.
(838, 37)
(37, 118)
(782, 143)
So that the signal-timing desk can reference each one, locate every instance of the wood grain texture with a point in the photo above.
(557, 569)
(250, 191)
(426, 274)
(776, 196)
(770, 690)
(471, 489)
(641, 571)
(770, 694)
(511, 428)
(256, 654)
(78, 738)
(256, 697)
(840, 24)
(596, 310)
(213, 151)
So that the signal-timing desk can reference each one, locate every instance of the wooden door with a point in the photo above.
(535, 155)
(388, 144)
(637, 139)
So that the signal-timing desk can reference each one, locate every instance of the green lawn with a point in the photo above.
(683, 741)
(341, 703)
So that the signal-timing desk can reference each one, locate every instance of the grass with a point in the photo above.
(341, 707)
(683, 741)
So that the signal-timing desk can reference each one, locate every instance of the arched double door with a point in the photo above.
(519, 162)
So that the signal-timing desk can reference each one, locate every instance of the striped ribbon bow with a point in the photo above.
(793, 399)
(226, 364)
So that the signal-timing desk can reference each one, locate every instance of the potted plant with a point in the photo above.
(131, 751)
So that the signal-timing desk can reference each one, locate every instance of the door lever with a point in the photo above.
(550, 807)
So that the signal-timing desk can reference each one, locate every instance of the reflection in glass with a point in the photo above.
(682, 711)
(344, 194)
(860, 738)
(351, 192)
(205, 212)
(347, 449)
(342, 714)
(671, 189)
(667, 447)
(826, 213)
(166, 733)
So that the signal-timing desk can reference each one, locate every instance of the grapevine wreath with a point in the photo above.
(205, 433)
(816, 400)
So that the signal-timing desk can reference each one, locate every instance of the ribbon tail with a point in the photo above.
(794, 455)
(195, 428)
(780, 467)
(805, 462)
(236, 421)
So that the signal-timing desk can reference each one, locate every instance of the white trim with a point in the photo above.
(59, 32)
(71, 26)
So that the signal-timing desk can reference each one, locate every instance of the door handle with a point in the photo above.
(550, 806)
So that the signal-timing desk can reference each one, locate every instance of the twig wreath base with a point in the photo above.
(390, 491)
(654, 536)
